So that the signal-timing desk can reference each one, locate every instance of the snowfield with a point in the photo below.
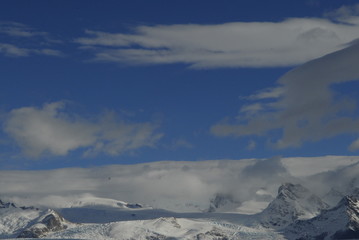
(247, 199)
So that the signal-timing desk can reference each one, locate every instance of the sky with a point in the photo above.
(90, 83)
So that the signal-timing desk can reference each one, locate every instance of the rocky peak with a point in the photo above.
(292, 202)
(339, 222)
(50, 221)
(292, 191)
(7, 204)
(223, 202)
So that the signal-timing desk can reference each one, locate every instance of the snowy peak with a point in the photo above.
(97, 202)
(223, 203)
(292, 202)
(349, 208)
(340, 222)
(349, 202)
(49, 221)
(295, 192)
(28, 222)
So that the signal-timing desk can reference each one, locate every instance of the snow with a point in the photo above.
(171, 199)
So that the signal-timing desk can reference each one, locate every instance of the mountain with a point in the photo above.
(293, 202)
(97, 202)
(7, 205)
(47, 222)
(295, 214)
(340, 222)
(333, 196)
(28, 222)
(223, 203)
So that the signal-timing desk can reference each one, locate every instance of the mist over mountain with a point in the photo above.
(219, 199)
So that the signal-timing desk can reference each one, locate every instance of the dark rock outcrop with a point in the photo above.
(50, 221)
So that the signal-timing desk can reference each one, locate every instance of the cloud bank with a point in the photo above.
(52, 130)
(236, 44)
(303, 106)
(180, 186)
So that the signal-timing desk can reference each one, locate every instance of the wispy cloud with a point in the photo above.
(345, 14)
(237, 44)
(11, 50)
(16, 29)
(52, 130)
(180, 143)
(32, 41)
(307, 108)
(251, 145)
(275, 92)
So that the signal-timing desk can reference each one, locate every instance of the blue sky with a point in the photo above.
(119, 82)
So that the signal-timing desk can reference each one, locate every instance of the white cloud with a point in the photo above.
(267, 93)
(16, 29)
(237, 44)
(171, 185)
(252, 108)
(180, 143)
(11, 50)
(345, 14)
(307, 108)
(50, 130)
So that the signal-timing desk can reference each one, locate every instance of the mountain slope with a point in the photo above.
(48, 221)
(340, 222)
(292, 202)
(28, 222)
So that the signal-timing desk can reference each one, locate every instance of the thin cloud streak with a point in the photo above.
(11, 50)
(11, 31)
(237, 44)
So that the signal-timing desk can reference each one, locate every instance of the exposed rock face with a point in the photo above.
(12, 205)
(6, 205)
(293, 202)
(223, 202)
(50, 221)
(214, 234)
(340, 222)
(134, 205)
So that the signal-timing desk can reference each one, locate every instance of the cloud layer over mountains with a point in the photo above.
(181, 186)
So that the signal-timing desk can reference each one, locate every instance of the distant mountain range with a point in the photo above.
(295, 213)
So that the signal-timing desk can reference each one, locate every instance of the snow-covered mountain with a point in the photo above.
(340, 222)
(170, 200)
(97, 202)
(28, 222)
(48, 221)
(295, 213)
(293, 202)
(223, 203)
